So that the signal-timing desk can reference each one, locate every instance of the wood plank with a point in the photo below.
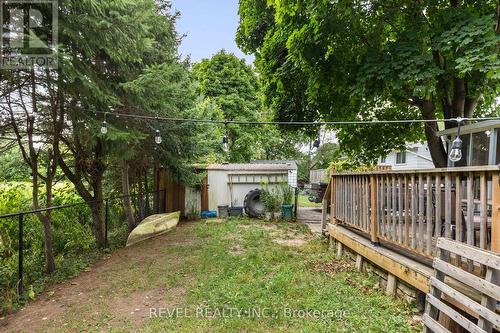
(388, 208)
(382, 206)
(495, 227)
(392, 284)
(413, 213)
(373, 216)
(478, 255)
(394, 207)
(467, 278)
(421, 213)
(470, 216)
(470, 209)
(359, 263)
(332, 200)
(438, 206)
(433, 325)
(407, 212)
(470, 304)
(447, 205)
(454, 315)
(484, 211)
(340, 250)
(368, 203)
(490, 303)
(486, 168)
(458, 213)
(429, 216)
(400, 210)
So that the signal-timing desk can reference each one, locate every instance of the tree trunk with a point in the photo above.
(127, 207)
(50, 265)
(140, 198)
(436, 147)
(99, 223)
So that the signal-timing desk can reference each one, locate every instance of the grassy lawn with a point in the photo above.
(304, 202)
(212, 272)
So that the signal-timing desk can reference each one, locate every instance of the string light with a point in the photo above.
(456, 146)
(158, 138)
(104, 127)
(297, 123)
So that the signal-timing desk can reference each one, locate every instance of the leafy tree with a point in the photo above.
(233, 87)
(103, 45)
(377, 59)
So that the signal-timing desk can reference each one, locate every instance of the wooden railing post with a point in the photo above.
(324, 206)
(332, 200)
(495, 221)
(373, 215)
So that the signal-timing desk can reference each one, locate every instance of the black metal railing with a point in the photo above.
(158, 207)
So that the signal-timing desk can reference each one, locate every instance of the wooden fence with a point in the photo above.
(411, 209)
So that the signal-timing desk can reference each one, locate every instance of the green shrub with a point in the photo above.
(73, 241)
(287, 194)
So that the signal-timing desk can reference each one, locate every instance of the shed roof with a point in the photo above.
(292, 162)
(251, 167)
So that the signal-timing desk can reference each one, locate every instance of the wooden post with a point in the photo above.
(332, 200)
(325, 206)
(340, 249)
(373, 205)
(392, 283)
(495, 224)
(359, 263)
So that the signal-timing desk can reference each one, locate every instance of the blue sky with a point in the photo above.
(209, 26)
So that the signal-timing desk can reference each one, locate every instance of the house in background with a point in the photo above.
(480, 143)
(416, 156)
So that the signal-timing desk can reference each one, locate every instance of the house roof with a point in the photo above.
(472, 128)
(252, 167)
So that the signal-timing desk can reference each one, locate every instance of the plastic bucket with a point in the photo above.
(287, 212)
(223, 211)
(236, 211)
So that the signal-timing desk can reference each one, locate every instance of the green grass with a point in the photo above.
(304, 202)
(215, 271)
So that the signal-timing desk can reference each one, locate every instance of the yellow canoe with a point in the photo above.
(153, 226)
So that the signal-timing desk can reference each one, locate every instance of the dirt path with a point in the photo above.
(106, 285)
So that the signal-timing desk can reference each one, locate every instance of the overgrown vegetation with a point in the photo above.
(74, 245)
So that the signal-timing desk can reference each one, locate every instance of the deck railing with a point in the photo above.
(411, 209)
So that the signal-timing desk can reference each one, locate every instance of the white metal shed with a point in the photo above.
(228, 184)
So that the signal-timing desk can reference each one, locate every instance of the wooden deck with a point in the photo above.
(411, 271)
(394, 220)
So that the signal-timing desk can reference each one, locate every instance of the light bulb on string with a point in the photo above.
(456, 150)
(104, 125)
(456, 146)
(158, 139)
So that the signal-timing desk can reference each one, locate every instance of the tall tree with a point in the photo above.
(377, 59)
(234, 88)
